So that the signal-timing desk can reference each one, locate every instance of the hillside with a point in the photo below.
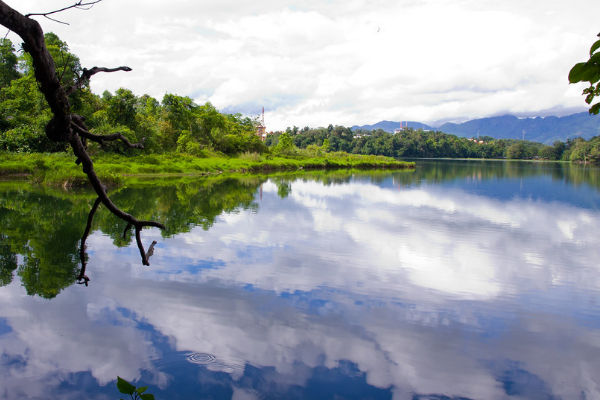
(544, 130)
(389, 126)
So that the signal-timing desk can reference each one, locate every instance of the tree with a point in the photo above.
(8, 63)
(286, 144)
(23, 110)
(516, 151)
(66, 126)
(559, 149)
(589, 71)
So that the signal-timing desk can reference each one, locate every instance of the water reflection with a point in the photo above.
(385, 285)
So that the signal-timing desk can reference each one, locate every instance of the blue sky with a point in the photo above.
(312, 63)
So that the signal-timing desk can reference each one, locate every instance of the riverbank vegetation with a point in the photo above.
(114, 169)
(178, 136)
(419, 143)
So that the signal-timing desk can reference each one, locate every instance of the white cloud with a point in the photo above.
(341, 62)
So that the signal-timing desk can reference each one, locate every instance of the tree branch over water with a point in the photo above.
(65, 126)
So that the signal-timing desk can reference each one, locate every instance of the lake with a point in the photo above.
(459, 280)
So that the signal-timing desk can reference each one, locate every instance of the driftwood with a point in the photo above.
(65, 126)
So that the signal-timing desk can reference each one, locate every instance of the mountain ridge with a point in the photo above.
(537, 129)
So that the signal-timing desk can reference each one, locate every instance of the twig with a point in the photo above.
(80, 5)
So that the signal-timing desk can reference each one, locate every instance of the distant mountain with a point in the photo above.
(544, 130)
(389, 126)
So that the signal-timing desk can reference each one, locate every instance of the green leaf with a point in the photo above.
(594, 78)
(124, 386)
(589, 98)
(594, 60)
(141, 390)
(595, 109)
(591, 73)
(595, 47)
(577, 72)
(147, 396)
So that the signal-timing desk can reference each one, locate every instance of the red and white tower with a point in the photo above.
(261, 130)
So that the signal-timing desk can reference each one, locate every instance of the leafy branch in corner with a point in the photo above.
(135, 393)
(589, 71)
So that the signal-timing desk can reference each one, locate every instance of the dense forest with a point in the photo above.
(420, 143)
(177, 124)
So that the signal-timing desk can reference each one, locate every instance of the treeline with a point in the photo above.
(427, 144)
(175, 124)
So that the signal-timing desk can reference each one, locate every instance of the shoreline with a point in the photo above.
(59, 169)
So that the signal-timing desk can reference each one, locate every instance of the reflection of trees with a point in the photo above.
(45, 230)
(45, 226)
(443, 171)
(8, 261)
(180, 206)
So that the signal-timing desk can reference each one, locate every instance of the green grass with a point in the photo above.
(59, 169)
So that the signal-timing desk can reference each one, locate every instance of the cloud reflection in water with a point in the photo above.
(421, 290)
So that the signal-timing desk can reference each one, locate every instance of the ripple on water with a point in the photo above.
(201, 358)
(236, 368)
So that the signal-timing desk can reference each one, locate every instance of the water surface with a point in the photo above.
(471, 280)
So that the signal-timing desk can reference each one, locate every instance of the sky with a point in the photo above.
(341, 62)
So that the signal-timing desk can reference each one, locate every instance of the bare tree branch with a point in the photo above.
(64, 126)
(82, 131)
(88, 73)
(56, 20)
(79, 5)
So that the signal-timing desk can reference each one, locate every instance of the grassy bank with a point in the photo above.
(60, 168)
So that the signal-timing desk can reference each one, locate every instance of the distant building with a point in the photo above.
(261, 129)
(401, 129)
(476, 141)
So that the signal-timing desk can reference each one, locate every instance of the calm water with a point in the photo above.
(470, 280)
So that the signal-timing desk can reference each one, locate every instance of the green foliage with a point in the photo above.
(24, 112)
(286, 145)
(67, 64)
(59, 169)
(186, 144)
(135, 393)
(589, 71)
(175, 124)
(410, 143)
(516, 151)
(8, 63)
(121, 109)
(581, 150)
